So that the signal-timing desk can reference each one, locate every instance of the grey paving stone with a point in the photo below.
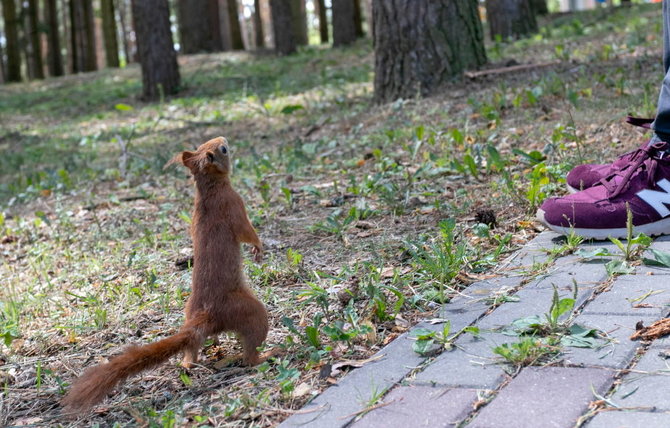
(615, 354)
(647, 389)
(626, 419)
(621, 297)
(472, 303)
(421, 406)
(532, 301)
(544, 397)
(533, 252)
(471, 364)
(571, 268)
(358, 386)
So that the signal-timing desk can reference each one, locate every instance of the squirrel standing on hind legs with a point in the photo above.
(220, 299)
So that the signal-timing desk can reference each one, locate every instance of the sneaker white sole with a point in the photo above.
(571, 189)
(661, 227)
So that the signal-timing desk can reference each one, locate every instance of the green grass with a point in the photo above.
(347, 196)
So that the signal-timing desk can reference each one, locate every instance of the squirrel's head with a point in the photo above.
(211, 158)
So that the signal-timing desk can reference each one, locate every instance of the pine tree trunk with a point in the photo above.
(12, 36)
(282, 26)
(422, 44)
(320, 6)
(109, 33)
(214, 22)
(299, 22)
(540, 7)
(82, 36)
(358, 19)
(199, 26)
(124, 30)
(510, 18)
(344, 25)
(35, 65)
(54, 57)
(237, 44)
(158, 59)
(3, 71)
(259, 39)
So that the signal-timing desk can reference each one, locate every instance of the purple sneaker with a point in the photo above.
(599, 212)
(588, 175)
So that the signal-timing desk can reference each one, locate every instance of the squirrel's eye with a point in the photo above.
(224, 150)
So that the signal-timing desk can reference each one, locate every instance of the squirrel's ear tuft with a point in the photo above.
(185, 158)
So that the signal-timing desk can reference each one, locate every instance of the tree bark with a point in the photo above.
(158, 59)
(422, 44)
(259, 38)
(237, 44)
(358, 19)
(124, 30)
(510, 18)
(199, 26)
(54, 56)
(35, 65)
(282, 26)
(540, 7)
(109, 33)
(12, 36)
(320, 6)
(344, 22)
(299, 22)
(82, 28)
(2, 65)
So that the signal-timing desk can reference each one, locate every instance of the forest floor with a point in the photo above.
(372, 216)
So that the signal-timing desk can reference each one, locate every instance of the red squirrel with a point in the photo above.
(220, 299)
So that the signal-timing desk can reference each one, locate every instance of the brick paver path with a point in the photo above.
(469, 386)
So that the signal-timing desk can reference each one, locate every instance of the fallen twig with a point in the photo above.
(503, 70)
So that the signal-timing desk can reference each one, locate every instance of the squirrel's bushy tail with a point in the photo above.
(98, 381)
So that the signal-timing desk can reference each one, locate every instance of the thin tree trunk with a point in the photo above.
(89, 26)
(35, 65)
(158, 59)
(259, 39)
(510, 18)
(358, 19)
(2, 64)
(422, 44)
(82, 36)
(121, 9)
(216, 40)
(199, 26)
(109, 33)
(320, 6)
(235, 30)
(12, 35)
(282, 20)
(299, 22)
(54, 56)
(344, 28)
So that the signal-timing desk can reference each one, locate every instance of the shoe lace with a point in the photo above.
(644, 159)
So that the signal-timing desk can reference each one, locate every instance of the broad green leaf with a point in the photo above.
(312, 335)
(422, 346)
(598, 252)
(661, 257)
(618, 267)
(564, 305)
(123, 107)
(289, 109)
